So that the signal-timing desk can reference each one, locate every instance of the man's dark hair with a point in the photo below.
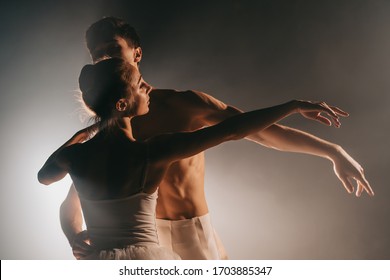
(107, 29)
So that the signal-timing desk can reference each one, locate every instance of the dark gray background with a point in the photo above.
(265, 204)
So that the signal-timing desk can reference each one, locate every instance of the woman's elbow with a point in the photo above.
(43, 179)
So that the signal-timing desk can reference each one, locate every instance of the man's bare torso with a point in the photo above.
(181, 193)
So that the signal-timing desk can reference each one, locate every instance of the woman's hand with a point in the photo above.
(313, 111)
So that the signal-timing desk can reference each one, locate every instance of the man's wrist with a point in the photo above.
(73, 236)
(72, 240)
(334, 152)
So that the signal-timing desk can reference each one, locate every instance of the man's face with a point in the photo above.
(118, 47)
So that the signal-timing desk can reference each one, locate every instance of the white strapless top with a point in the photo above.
(116, 223)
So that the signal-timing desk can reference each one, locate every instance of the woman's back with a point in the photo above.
(108, 167)
(109, 173)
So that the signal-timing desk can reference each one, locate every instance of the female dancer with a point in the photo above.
(117, 177)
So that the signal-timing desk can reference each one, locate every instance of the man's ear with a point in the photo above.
(137, 54)
(121, 105)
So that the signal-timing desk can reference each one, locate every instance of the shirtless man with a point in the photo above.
(182, 215)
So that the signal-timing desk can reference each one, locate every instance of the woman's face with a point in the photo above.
(138, 91)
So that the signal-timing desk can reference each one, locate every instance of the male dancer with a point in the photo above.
(183, 220)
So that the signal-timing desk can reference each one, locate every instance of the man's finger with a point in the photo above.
(83, 246)
(366, 186)
(359, 189)
(347, 185)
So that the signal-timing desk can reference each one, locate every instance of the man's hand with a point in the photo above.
(349, 171)
(81, 245)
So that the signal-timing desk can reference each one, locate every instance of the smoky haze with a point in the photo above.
(265, 204)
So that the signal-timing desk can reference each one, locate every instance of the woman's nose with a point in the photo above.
(148, 88)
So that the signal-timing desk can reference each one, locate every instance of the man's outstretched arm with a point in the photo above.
(292, 140)
(210, 111)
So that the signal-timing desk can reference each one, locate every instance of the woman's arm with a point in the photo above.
(169, 148)
(53, 169)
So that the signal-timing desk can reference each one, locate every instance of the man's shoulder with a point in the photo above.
(185, 97)
(172, 93)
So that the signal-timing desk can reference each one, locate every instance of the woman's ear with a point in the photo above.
(121, 105)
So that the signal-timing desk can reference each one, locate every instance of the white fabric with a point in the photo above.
(191, 239)
(124, 228)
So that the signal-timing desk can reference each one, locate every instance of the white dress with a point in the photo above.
(124, 229)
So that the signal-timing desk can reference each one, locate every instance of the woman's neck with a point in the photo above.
(124, 125)
(118, 127)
